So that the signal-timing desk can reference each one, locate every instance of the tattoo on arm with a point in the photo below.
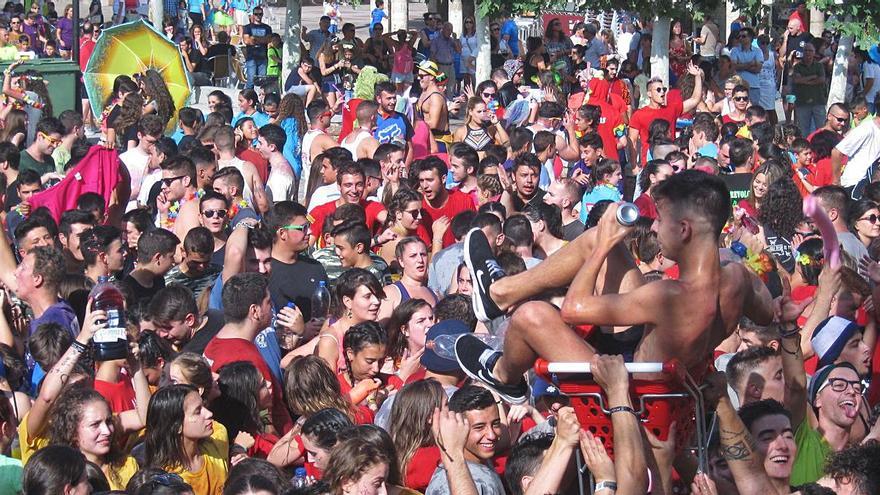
(736, 452)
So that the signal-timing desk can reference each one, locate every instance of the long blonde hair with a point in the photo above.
(310, 386)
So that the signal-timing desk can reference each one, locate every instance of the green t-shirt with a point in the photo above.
(812, 450)
(273, 68)
(27, 162)
(10, 475)
(61, 156)
(810, 94)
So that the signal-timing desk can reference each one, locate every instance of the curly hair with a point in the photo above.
(292, 106)
(131, 109)
(155, 89)
(858, 465)
(310, 385)
(66, 415)
(782, 208)
(34, 82)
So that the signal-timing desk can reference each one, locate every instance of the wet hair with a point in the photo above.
(749, 413)
(468, 155)
(696, 192)
(410, 419)
(358, 338)
(525, 459)
(240, 293)
(324, 426)
(152, 349)
(97, 240)
(310, 385)
(456, 307)
(348, 283)
(165, 416)
(51, 469)
(551, 215)
(238, 407)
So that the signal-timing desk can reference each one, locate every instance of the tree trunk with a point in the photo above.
(157, 13)
(399, 12)
(660, 49)
(484, 59)
(456, 16)
(817, 23)
(837, 92)
(292, 38)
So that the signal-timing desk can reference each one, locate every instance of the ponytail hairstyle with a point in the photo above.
(810, 259)
(604, 167)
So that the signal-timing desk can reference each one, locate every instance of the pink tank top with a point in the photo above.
(403, 61)
(421, 141)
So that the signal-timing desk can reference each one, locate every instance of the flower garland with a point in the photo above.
(174, 209)
(760, 262)
(109, 108)
(236, 207)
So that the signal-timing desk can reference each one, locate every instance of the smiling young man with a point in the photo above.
(769, 425)
(178, 202)
(478, 406)
(351, 180)
(352, 242)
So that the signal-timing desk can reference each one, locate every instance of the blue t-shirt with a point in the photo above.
(241, 5)
(393, 128)
(509, 28)
(376, 17)
(292, 147)
(195, 6)
(260, 119)
(599, 193)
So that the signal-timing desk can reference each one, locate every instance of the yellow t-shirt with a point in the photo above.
(209, 480)
(124, 472)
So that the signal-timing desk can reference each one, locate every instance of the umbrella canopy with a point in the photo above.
(132, 48)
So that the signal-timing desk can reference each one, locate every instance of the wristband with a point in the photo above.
(606, 485)
(78, 346)
(623, 409)
(786, 333)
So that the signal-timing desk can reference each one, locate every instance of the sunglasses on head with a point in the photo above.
(221, 213)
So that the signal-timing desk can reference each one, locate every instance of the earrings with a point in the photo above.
(349, 315)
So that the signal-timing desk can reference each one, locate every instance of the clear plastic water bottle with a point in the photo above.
(109, 343)
(321, 301)
(444, 345)
(299, 478)
(627, 214)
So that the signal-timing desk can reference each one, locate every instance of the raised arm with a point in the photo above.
(450, 431)
(7, 263)
(236, 246)
(57, 377)
(697, 96)
(551, 473)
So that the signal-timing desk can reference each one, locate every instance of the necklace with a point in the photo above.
(237, 206)
(174, 210)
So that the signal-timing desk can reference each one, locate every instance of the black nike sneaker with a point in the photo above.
(484, 271)
(476, 359)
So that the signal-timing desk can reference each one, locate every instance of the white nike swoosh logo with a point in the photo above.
(480, 282)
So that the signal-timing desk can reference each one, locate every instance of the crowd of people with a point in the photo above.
(312, 308)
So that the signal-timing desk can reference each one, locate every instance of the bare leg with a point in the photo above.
(619, 274)
(537, 330)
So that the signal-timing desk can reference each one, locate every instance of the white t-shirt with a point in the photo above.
(136, 161)
(281, 183)
(324, 194)
(872, 71)
(862, 146)
(149, 181)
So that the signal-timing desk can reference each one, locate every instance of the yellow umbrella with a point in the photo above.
(129, 49)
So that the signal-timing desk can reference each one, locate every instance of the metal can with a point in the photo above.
(627, 214)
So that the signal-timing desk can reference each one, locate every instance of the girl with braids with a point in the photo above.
(410, 427)
(407, 327)
(182, 438)
(310, 387)
(244, 395)
(357, 299)
(292, 118)
(364, 354)
(320, 433)
(80, 417)
(404, 215)
(15, 128)
(122, 124)
(158, 99)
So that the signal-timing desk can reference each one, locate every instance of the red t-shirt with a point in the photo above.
(319, 213)
(86, 47)
(421, 468)
(311, 470)
(456, 203)
(220, 352)
(727, 119)
(254, 156)
(119, 395)
(642, 118)
(646, 205)
(363, 414)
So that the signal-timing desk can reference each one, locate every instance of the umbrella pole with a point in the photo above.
(75, 55)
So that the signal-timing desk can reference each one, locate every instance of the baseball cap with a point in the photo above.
(430, 68)
(433, 362)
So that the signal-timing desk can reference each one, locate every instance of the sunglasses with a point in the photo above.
(661, 90)
(841, 384)
(170, 180)
(468, 22)
(302, 228)
(51, 140)
(740, 98)
(210, 213)
(488, 95)
(840, 120)
(872, 218)
(258, 14)
(15, 22)
(414, 213)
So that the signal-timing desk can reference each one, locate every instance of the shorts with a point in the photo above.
(241, 17)
(400, 78)
(197, 18)
(329, 86)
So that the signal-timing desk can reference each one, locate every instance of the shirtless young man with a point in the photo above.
(432, 104)
(683, 319)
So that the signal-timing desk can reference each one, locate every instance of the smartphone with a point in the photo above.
(804, 171)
